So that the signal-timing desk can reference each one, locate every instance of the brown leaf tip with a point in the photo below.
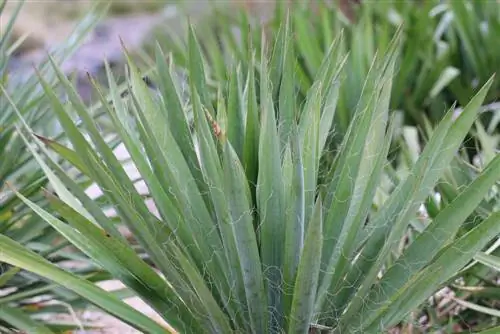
(43, 139)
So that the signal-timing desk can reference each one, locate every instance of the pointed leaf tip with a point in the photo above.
(43, 139)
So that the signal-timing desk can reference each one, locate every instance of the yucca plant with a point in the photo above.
(254, 232)
(23, 295)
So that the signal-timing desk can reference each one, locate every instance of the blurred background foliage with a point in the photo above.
(449, 49)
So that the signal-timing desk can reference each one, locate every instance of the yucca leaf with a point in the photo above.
(287, 112)
(235, 112)
(251, 138)
(197, 70)
(304, 294)
(7, 275)
(34, 288)
(70, 155)
(311, 151)
(488, 260)
(22, 321)
(330, 92)
(276, 60)
(293, 179)
(16, 255)
(270, 202)
(176, 117)
(240, 205)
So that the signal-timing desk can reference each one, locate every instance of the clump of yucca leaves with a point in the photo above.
(442, 61)
(255, 232)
